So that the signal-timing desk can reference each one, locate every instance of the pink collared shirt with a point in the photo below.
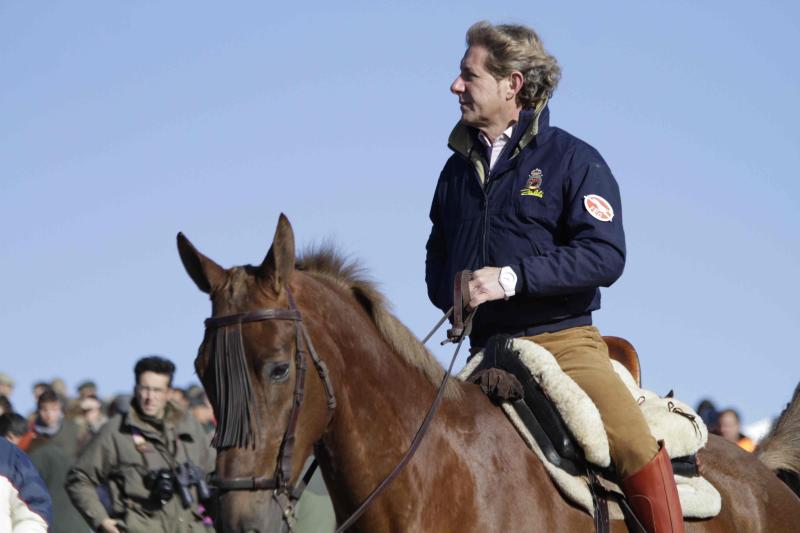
(498, 144)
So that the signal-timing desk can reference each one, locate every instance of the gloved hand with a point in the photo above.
(498, 385)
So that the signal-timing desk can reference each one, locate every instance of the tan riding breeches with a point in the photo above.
(583, 355)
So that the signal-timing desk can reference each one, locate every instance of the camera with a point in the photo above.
(161, 484)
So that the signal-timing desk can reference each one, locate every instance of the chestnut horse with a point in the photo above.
(472, 471)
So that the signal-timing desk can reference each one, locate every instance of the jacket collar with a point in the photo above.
(533, 124)
(172, 417)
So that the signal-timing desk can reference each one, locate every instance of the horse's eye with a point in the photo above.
(278, 371)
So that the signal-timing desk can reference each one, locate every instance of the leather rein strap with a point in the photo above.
(280, 482)
(460, 306)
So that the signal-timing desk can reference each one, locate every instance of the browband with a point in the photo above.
(253, 316)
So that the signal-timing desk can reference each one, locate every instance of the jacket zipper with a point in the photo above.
(484, 209)
(484, 237)
(485, 189)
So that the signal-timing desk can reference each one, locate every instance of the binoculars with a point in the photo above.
(164, 483)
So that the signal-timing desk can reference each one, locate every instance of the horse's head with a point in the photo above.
(252, 364)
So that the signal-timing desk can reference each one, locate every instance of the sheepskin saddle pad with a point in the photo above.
(670, 420)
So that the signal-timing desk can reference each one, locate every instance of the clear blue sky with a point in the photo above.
(122, 123)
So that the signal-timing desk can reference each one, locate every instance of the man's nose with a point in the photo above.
(457, 87)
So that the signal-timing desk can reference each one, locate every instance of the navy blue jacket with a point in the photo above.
(24, 478)
(534, 214)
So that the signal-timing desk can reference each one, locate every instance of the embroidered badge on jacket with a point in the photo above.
(598, 207)
(139, 442)
(534, 185)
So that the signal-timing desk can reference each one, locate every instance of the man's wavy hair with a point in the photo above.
(513, 47)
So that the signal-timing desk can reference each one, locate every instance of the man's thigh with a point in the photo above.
(583, 356)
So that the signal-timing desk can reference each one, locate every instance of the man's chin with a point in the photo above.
(468, 119)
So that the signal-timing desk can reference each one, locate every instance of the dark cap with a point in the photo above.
(86, 385)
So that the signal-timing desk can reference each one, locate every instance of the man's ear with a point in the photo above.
(516, 80)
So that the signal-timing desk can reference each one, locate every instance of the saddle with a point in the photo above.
(562, 426)
(543, 419)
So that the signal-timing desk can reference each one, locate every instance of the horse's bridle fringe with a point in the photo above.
(233, 393)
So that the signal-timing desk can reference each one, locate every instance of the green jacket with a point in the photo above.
(68, 439)
(53, 464)
(120, 456)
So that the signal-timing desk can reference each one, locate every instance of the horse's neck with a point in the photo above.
(382, 401)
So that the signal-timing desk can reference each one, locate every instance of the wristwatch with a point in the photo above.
(508, 280)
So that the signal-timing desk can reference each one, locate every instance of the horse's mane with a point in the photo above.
(780, 450)
(327, 263)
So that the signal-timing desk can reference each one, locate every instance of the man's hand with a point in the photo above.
(485, 286)
(109, 525)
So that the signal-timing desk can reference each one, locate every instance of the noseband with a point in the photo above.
(285, 494)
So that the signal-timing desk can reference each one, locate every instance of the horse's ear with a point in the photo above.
(205, 273)
(279, 262)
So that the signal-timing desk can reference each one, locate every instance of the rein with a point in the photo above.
(285, 494)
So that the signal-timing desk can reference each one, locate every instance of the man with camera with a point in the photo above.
(152, 460)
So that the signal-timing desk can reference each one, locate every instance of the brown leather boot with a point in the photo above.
(653, 495)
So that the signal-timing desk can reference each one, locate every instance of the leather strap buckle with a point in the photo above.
(461, 326)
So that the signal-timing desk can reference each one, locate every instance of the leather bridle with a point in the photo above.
(285, 494)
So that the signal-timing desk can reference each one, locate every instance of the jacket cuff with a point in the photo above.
(96, 522)
(520, 281)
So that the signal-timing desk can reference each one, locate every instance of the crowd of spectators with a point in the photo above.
(85, 412)
(54, 435)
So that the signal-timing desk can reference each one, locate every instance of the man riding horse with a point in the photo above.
(535, 212)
